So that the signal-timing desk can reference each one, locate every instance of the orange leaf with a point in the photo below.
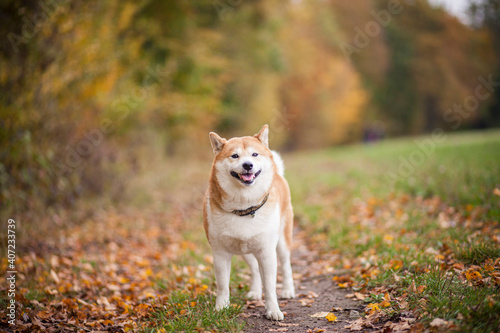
(421, 289)
(385, 304)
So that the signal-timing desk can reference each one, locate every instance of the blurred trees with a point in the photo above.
(485, 17)
(83, 81)
(426, 62)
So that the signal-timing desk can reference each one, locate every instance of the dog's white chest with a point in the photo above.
(244, 234)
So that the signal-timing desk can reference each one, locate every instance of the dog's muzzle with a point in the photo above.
(246, 177)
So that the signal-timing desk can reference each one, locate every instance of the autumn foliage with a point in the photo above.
(83, 80)
(97, 94)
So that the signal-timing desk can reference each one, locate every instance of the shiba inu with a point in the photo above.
(247, 210)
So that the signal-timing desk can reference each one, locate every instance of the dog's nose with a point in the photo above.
(247, 166)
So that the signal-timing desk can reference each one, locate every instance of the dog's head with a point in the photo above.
(244, 161)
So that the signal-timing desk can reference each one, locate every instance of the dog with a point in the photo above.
(247, 211)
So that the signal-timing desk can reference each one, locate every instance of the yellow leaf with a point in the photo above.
(344, 285)
(373, 307)
(473, 275)
(331, 317)
(388, 239)
(385, 304)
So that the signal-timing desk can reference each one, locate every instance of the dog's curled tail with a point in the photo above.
(279, 163)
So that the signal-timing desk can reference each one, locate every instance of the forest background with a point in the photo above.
(90, 89)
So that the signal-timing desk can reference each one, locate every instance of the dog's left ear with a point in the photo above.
(263, 135)
(217, 142)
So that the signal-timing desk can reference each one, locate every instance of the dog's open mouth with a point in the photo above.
(246, 178)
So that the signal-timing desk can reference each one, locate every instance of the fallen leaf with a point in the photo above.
(357, 325)
(331, 317)
(385, 304)
(306, 302)
(44, 314)
(286, 324)
(438, 322)
(373, 307)
(320, 315)
(473, 275)
(54, 276)
(360, 296)
(421, 289)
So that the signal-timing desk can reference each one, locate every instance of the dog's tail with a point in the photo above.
(279, 163)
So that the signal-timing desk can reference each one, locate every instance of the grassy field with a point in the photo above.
(412, 218)
(411, 225)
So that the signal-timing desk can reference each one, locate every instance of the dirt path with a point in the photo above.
(315, 292)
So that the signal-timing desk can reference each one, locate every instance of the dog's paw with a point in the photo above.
(288, 293)
(275, 315)
(221, 304)
(254, 295)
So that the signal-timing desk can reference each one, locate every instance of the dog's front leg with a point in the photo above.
(222, 265)
(268, 265)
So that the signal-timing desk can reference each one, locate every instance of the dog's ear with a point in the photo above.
(217, 142)
(263, 135)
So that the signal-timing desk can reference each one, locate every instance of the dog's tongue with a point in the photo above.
(247, 177)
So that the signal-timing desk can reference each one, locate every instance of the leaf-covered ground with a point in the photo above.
(372, 252)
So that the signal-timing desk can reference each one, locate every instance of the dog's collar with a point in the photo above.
(251, 210)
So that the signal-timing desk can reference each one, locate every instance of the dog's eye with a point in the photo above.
(235, 156)
(255, 154)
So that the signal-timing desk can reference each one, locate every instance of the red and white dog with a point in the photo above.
(247, 210)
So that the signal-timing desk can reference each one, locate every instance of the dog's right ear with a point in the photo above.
(217, 142)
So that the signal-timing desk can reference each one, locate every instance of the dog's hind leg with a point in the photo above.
(256, 283)
(286, 269)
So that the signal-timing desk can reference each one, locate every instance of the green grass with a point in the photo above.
(397, 214)
(191, 305)
(185, 313)
(478, 253)
(472, 308)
